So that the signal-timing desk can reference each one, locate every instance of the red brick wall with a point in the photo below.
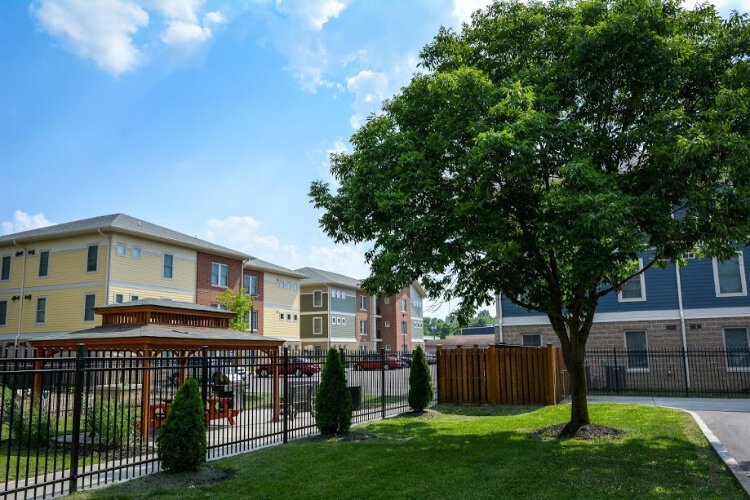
(363, 315)
(392, 312)
(258, 299)
(205, 294)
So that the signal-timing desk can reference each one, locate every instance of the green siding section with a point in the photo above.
(416, 312)
(417, 333)
(346, 305)
(306, 302)
(306, 326)
(344, 331)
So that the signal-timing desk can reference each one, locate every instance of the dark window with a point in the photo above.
(532, 340)
(88, 308)
(738, 348)
(168, 259)
(3, 312)
(254, 321)
(41, 309)
(637, 346)
(5, 274)
(250, 283)
(403, 327)
(43, 263)
(93, 258)
(119, 298)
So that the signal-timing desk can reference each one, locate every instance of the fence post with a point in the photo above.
(382, 383)
(551, 382)
(77, 403)
(438, 353)
(616, 372)
(286, 394)
(204, 376)
(687, 374)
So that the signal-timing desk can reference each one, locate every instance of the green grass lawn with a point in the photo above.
(463, 452)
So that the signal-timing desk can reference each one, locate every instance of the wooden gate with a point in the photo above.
(501, 375)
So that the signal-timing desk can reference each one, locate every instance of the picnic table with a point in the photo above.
(217, 408)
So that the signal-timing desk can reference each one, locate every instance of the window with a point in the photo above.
(133, 297)
(121, 249)
(317, 326)
(88, 307)
(295, 317)
(41, 309)
(363, 302)
(5, 273)
(250, 283)
(254, 321)
(136, 252)
(220, 307)
(387, 324)
(634, 290)
(738, 348)
(219, 274)
(403, 328)
(532, 340)
(119, 298)
(363, 327)
(289, 317)
(403, 305)
(44, 263)
(637, 345)
(387, 300)
(729, 277)
(3, 312)
(317, 298)
(281, 316)
(168, 262)
(92, 260)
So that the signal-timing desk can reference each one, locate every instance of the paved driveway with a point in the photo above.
(729, 419)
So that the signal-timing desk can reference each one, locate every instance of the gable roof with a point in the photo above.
(319, 276)
(263, 265)
(121, 223)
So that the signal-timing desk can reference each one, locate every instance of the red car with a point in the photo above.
(375, 362)
(296, 367)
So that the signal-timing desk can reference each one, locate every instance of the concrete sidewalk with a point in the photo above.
(725, 423)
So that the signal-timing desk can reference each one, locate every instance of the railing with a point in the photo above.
(669, 372)
(90, 418)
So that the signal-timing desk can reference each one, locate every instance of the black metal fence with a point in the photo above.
(669, 372)
(84, 419)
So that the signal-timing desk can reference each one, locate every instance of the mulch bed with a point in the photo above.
(349, 436)
(590, 431)
(429, 414)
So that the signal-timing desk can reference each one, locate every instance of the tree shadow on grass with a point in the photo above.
(486, 410)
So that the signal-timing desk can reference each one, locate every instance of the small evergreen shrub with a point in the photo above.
(333, 402)
(31, 426)
(420, 381)
(113, 423)
(182, 436)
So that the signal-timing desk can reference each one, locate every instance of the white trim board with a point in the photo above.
(663, 315)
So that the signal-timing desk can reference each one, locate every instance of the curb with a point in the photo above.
(729, 462)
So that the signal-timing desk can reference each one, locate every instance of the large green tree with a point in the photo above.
(543, 149)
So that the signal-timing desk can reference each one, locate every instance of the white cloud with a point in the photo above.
(214, 17)
(102, 30)
(343, 259)
(369, 89)
(181, 32)
(24, 222)
(181, 10)
(325, 166)
(318, 13)
(463, 9)
(245, 233)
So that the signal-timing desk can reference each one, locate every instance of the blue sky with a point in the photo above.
(209, 117)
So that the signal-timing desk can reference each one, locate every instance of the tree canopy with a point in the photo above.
(240, 303)
(547, 146)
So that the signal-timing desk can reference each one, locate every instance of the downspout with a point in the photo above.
(23, 286)
(499, 316)
(682, 324)
(109, 268)
(252, 304)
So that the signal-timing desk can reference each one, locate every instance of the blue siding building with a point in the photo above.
(702, 304)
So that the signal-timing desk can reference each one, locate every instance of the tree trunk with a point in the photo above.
(575, 361)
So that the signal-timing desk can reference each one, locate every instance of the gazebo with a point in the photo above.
(150, 327)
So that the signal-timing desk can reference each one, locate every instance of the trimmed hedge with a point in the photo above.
(333, 401)
(420, 381)
(182, 436)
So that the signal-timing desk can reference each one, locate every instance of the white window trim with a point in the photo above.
(140, 252)
(319, 320)
(734, 369)
(318, 293)
(642, 277)
(6, 312)
(36, 310)
(386, 324)
(124, 249)
(137, 297)
(627, 360)
(84, 308)
(163, 266)
(218, 274)
(541, 338)
(403, 302)
(362, 303)
(717, 288)
(121, 295)
(97, 257)
(49, 258)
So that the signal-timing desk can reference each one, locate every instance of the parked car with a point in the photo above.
(221, 371)
(431, 358)
(406, 358)
(296, 367)
(375, 362)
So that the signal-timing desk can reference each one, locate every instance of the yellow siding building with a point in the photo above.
(52, 278)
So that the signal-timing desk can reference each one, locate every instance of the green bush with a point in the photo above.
(8, 406)
(31, 427)
(113, 424)
(420, 381)
(182, 436)
(333, 402)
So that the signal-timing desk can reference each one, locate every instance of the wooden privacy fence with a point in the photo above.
(501, 375)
